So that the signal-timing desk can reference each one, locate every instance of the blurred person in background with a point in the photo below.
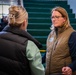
(3, 23)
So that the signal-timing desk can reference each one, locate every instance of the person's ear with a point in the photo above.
(64, 19)
(25, 24)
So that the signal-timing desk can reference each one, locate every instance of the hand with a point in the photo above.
(67, 70)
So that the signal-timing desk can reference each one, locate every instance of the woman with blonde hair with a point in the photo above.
(19, 51)
(61, 45)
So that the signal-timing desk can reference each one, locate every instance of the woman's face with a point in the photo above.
(57, 19)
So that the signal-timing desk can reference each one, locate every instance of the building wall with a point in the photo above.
(72, 4)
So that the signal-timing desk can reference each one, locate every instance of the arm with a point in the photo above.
(34, 57)
(72, 46)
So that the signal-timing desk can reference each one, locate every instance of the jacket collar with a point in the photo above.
(22, 33)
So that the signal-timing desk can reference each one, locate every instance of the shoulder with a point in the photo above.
(31, 43)
(73, 34)
(32, 46)
(72, 37)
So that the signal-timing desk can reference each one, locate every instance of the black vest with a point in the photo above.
(13, 43)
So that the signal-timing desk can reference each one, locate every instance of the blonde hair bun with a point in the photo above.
(17, 15)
